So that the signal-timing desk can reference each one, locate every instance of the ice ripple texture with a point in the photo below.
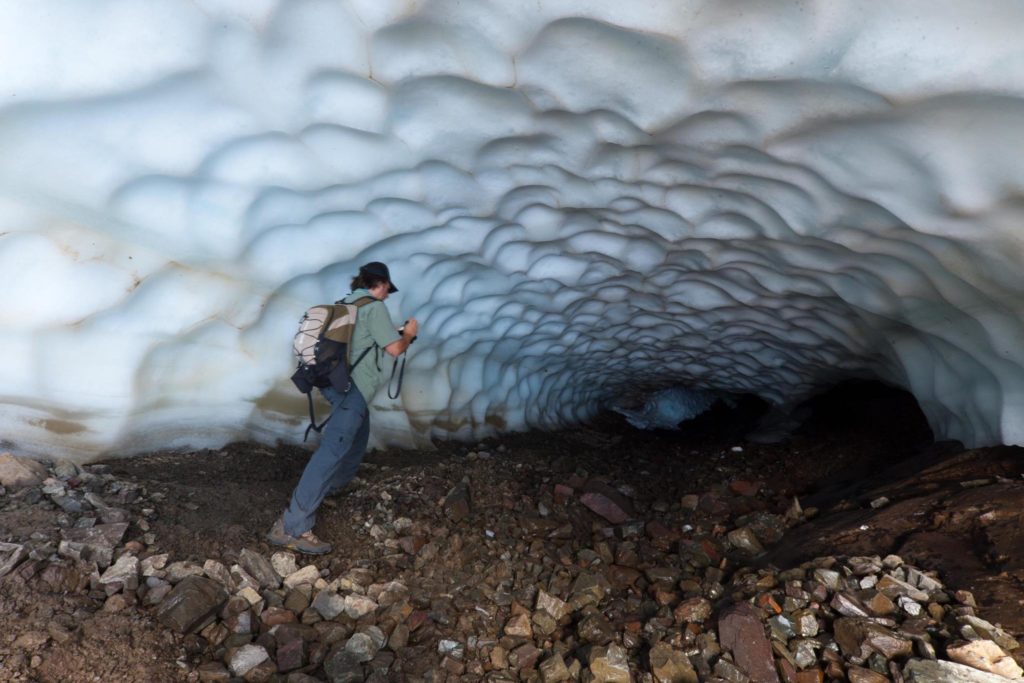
(580, 201)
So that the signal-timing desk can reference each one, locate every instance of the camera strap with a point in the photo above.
(401, 374)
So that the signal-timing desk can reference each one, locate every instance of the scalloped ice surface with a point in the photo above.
(578, 200)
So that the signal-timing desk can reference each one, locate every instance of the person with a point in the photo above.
(344, 439)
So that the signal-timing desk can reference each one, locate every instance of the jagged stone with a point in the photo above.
(124, 571)
(11, 555)
(284, 564)
(307, 575)
(218, 572)
(939, 671)
(291, 655)
(595, 628)
(670, 666)
(552, 605)
(18, 472)
(328, 604)
(259, 568)
(92, 544)
(554, 670)
(154, 565)
(609, 665)
(985, 655)
(740, 630)
(242, 579)
(191, 604)
(179, 571)
(213, 672)
(693, 611)
(857, 674)
(607, 502)
(362, 647)
(247, 657)
(519, 626)
(745, 539)
(358, 606)
(457, 502)
(341, 666)
(525, 656)
(983, 630)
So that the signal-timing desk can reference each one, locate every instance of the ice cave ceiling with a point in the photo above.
(578, 200)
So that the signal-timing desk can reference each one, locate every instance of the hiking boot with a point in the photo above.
(306, 543)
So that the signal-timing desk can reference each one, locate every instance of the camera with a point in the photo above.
(401, 330)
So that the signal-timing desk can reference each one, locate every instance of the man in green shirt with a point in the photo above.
(344, 439)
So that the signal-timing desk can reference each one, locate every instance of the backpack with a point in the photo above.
(323, 347)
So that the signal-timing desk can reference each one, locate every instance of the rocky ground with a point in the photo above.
(854, 550)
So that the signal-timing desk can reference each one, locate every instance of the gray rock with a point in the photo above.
(192, 604)
(124, 571)
(259, 568)
(154, 565)
(284, 564)
(18, 472)
(341, 666)
(984, 630)
(246, 658)
(362, 647)
(11, 555)
(66, 469)
(218, 572)
(328, 604)
(358, 606)
(308, 575)
(179, 571)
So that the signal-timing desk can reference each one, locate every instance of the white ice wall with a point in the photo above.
(574, 196)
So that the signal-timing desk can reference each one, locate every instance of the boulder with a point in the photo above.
(18, 472)
(192, 604)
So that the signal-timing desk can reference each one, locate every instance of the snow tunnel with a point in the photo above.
(579, 202)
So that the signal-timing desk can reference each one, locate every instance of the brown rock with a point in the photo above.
(273, 616)
(610, 665)
(858, 674)
(693, 611)
(554, 670)
(670, 666)
(213, 672)
(810, 676)
(31, 640)
(191, 605)
(457, 502)
(524, 657)
(552, 605)
(741, 631)
(607, 502)
(519, 626)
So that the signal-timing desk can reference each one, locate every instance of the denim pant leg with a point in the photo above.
(353, 459)
(341, 449)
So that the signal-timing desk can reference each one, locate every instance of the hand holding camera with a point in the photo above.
(409, 329)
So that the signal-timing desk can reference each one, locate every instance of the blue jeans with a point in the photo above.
(342, 446)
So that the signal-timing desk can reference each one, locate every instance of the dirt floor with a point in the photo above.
(952, 510)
